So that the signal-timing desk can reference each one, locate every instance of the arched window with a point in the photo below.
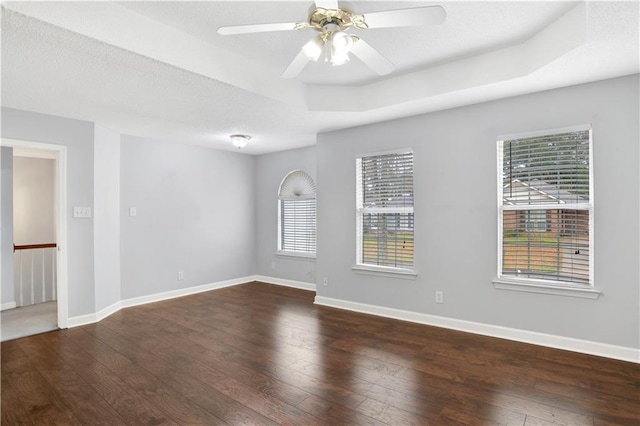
(297, 214)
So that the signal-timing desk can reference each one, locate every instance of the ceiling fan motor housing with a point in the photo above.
(341, 17)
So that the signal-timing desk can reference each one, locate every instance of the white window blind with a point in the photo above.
(297, 214)
(546, 207)
(385, 210)
(298, 228)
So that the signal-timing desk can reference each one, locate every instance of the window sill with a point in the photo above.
(405, 274)
(543, 288)
(295, 255)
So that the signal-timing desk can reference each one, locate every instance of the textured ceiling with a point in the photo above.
(160, 70)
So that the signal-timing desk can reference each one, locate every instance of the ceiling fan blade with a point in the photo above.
(327, 4)
(296, 66)
(259, 28)
(430, 15)
(372, 58)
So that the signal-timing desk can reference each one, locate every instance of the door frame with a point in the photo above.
(60, 155)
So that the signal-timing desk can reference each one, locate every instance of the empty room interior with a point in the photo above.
(298, 212)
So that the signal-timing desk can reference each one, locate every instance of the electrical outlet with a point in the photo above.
(82, 212)
(439, 297)
(180, 276)
(273, 265)
(325, 281)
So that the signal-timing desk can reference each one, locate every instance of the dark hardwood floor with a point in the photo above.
(262, 354)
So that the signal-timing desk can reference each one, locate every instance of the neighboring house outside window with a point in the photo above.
(384, 194)
(536, 221)
(297, 215)
(546, 208)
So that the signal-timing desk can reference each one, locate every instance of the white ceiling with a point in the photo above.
(160, 70)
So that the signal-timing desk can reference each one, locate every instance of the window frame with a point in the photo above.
(280, 252)
(369, 268)
(538, 285)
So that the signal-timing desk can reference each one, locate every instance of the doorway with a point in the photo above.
(39, 267)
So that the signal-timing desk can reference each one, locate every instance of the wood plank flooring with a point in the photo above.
(262, 354)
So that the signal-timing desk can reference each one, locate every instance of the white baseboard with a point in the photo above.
(541, 339)
(8, 305)
(109, 310)
(81, 320)
(142, 300)
(286, 283)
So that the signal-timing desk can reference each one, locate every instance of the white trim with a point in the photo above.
(532, 337)
(499, 198)
(298, 255)
(362, 210)
(173, 294)
(592, 234)
(109, 310)
(143, 300)
(62, 285)
(546, 132)
(40, 146)
(390, 210)
(81, 320)
(286, 283)
(391, 151)
(60, 151)
(33, 153)
(559, 206)
(543, 288)
(8, 305)
(297, 197)
(384, 271)
(550, 287)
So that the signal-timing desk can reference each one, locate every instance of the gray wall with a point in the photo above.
(195, 214)
(33, 200)
(456, 212)
(196, 211)
(106, 217)
(6, 221)
(77, 136)
(270, 170)
(213, 215)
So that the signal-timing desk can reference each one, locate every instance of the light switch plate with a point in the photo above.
(82, 212)
(132, 212)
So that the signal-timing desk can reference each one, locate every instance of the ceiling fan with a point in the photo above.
(333, 43)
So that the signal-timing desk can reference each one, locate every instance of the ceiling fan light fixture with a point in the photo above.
(339, 59)
(313, 48)
(240, 141)
(341, 43)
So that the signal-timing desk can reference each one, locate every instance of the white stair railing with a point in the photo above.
(35, 273)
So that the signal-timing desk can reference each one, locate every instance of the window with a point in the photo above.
(297, 215)
(385, 210)
(546, 208)
(536, 220)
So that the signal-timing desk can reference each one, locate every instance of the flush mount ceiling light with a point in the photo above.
(331, 21)
(240, 141)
